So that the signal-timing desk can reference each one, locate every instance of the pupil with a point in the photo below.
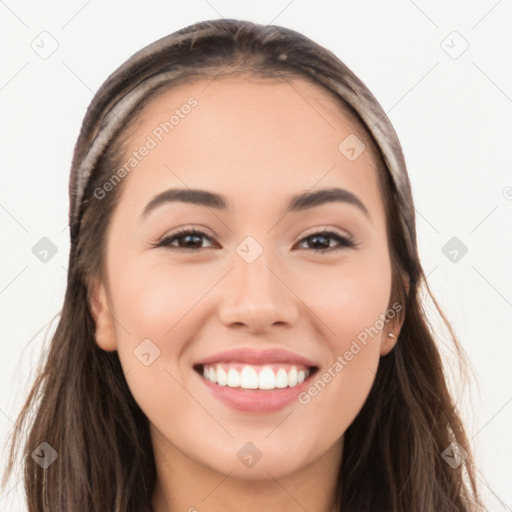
(319, 237)
(192, 237)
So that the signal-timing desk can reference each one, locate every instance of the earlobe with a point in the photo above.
(391, 333)
(388, 343)
(100, 309)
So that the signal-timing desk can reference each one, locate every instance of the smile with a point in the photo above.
(246, 376)
(255, 381)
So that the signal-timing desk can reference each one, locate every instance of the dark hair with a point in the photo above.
(81, 403)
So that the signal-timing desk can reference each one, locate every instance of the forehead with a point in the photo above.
(250, 137)
(243, 96)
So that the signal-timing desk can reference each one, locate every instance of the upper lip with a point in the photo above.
(255, 356)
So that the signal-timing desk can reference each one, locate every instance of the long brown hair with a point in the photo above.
(80, 403)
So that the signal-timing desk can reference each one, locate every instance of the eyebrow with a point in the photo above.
(299, 202)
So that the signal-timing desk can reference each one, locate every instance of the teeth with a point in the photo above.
(222, 378)
(249, 378)
(267, 379)
(292, 377)
(233, 378)
(281, 378)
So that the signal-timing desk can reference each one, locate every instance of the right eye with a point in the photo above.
(191, 236)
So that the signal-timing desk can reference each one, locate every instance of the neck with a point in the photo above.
(185, 485)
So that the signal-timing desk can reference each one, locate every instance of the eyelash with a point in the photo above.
(344, 241)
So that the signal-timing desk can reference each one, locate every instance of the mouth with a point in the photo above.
(256, 381)
(248, 376)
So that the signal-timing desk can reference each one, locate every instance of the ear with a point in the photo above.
(392, 328)
(389, 339)
(100, 309)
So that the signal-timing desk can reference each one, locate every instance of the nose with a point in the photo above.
(256, 296)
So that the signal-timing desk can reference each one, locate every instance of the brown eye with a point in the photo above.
(191, 239)
(323, 238)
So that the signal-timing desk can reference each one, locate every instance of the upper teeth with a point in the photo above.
(249, 378)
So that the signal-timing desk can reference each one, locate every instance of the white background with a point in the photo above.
(452, 115)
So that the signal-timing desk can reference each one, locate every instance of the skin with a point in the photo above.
(258, 143)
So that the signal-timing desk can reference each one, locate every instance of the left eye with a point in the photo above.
(322, 236)
(193, 237)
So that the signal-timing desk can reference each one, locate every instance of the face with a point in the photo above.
(249, 332)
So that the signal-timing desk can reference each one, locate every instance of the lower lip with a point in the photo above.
(255, 400)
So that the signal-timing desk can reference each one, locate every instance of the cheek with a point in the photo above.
(155, 300)
(147, 307)
(351, 304)
(349, 298)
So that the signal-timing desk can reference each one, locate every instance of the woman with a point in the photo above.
(267, 368)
